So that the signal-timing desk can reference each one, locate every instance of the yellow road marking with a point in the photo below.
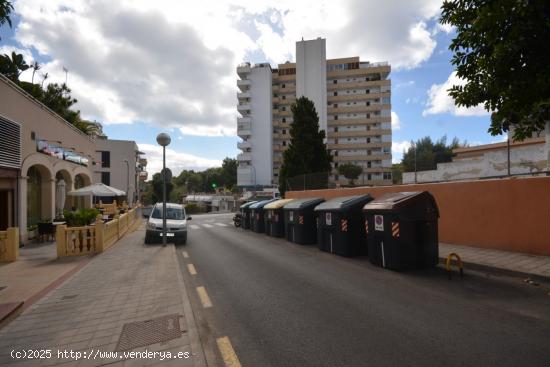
(191, 269)
(205, 300)
(228, 353)
(185, 254)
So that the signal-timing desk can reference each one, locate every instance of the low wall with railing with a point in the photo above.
(88, 240)
(9, 244)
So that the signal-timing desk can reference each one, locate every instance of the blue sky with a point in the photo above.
(181, 78)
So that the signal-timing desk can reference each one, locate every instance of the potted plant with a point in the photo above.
(32, 231)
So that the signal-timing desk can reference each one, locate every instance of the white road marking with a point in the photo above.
(185, 254)
(221, 224)
(206, 225)
(194, 226)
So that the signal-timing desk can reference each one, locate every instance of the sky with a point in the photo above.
(143, 67)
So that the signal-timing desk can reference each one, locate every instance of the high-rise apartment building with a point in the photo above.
(352, 99)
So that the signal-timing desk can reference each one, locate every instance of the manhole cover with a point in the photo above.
(69, 297)
(143, 333)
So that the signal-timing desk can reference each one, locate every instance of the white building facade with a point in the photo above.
(119, 164)
(352, 99)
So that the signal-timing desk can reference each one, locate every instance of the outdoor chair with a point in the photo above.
(46, 230)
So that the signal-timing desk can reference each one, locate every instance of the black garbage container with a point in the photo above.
(245, 212)
(300, 223)
(402, 230)
(274, 218)
(257, 223)
(340, 228)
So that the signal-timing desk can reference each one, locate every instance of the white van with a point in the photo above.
(176, 224)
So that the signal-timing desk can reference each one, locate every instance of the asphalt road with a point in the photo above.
(283, 304)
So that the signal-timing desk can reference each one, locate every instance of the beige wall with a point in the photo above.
(36, 119)
(506, 214)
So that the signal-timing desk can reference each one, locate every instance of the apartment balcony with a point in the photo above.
(243, 108)
(143, 175)
(243, 69)
(244, 84)
(244, 129)
(244, 145)
(243, 95)
(244, 157)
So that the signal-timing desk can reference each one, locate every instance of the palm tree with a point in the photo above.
(44, 77)
(14, 66)
(5, 9)
(35, 67)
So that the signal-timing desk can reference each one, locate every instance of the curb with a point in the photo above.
(500, 271)
(196, 346)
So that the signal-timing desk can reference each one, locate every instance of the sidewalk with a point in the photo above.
(130, 298)
(37, 271)
(508, 262)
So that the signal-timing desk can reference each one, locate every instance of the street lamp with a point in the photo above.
(127, 181)
(163, 139)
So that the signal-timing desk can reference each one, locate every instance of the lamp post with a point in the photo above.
(127, 181)
(163, 139)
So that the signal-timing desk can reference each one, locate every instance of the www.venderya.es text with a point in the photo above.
(95, 354)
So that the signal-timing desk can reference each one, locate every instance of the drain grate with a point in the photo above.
(69, 297)
(143, 333)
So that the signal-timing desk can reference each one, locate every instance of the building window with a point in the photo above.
(334, 81)
(336, 117)
(368, 140)
(284, 131)
(368, 115)
(283, 85)
(335, 93)
(368, 103)
(336, 129)
(105, 159)
(369, 177)
(387, 175)
(336, 153)
(335, 105)
(284, 119)
(369, 164)
(336, 165)
(284, 97)
(367, 91)
(284, 143)
(284, 108)
(106, 178)
(336, 177)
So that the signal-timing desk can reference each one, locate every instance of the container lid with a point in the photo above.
(303, 203)
(246, 205)
(278, 204)
(397, 200)
(344, 202)
(261, 204)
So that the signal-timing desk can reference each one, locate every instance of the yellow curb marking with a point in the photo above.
(228, 353)
(205, 300)
(191, 269)
(185, 254)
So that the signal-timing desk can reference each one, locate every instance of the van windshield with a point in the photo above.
(171, 213)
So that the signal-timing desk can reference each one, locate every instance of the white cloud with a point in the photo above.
(395, 122)
(398, 148)
(439, 100)
(176, 161)
(172, 63)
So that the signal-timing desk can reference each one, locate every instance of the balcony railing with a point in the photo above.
(244, 157)
(244, 145)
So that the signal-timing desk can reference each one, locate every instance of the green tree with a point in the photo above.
(499, 50)
(428, 154)
(5, 10)
(350, 171)
(12, 66)
(229, 172)
(397, 173)
(306, 153)
(157, 188)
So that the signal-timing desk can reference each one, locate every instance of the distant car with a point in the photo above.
(176, 224)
